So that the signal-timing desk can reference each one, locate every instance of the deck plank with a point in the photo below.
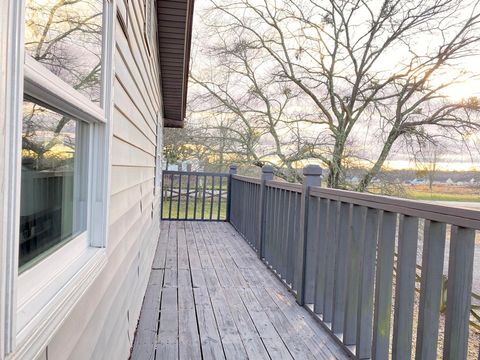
(209, 297)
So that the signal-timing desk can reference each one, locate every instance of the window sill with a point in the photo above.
(41, 315)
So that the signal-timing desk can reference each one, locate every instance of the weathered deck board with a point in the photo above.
(209, 297)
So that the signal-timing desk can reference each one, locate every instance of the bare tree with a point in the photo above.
(381, 67)
(244, 104)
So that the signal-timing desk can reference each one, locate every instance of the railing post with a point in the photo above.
(232, 171)
(267, 174)
(312, 177)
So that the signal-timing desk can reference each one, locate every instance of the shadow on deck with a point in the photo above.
(210, 297)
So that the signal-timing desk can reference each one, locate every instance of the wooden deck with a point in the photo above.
(209, 297)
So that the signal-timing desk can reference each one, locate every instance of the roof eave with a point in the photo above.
(173, 90)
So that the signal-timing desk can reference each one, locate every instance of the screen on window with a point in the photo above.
(53, 185)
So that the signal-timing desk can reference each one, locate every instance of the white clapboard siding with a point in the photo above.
(103, 323)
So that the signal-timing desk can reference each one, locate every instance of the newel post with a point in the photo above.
(267, 174)
(312, 177)
(231, 171)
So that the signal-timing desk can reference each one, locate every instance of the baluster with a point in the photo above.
(430, 289)
(340, 284)
(196, 198)
(283, 228)
(321, 255)
(332, 227)
(354, 268)
(274, 229)
(405, 287)
(204, 195)
(179, 195)
(188, 196)
(460, 271)
(366, 285)
(311, 251)
(171, 197)
(280, 232)
(219, 197)
(290, 238)
(212, 197)
(383, 287)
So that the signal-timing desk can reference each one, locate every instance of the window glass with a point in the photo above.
(53, 188)
(66, 36)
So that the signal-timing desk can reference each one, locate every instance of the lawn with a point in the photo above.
(195, 212)
(443, 192)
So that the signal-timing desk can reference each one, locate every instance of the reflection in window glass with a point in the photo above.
(66, 36)
(53, 188)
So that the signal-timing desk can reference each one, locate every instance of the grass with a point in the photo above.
(420, 195)
(192, 212)
(443, 193)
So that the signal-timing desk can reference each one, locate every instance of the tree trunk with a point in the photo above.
(335, 165)
(365, 182)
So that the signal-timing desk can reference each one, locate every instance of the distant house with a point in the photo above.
(86, 88)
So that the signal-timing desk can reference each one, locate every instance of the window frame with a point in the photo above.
(71, 268)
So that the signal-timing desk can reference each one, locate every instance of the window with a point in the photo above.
(63, 42)
(57, 167)
(53, 192)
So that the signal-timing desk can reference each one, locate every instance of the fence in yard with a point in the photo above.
(351, 259)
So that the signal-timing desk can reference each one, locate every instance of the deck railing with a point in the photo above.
(195, 196)
(352, 259)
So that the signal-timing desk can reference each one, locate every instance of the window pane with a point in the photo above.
(53, 188)
(66, 36)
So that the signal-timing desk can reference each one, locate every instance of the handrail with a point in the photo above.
(285, 185)
(194, 173)
(247, 179)
(441, 213)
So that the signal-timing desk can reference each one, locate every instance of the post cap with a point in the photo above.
(267, 169)
(312, 170)
(233, 168)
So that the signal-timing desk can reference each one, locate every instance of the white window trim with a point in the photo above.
(12, 87)
(25, 332)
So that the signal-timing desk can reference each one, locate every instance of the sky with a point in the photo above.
(457, 155)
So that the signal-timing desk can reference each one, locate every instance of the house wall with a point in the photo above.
(103, 323)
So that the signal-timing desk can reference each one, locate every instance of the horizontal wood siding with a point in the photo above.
(103, 323)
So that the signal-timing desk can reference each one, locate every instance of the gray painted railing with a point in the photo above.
(199, 196)
(351, 260)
